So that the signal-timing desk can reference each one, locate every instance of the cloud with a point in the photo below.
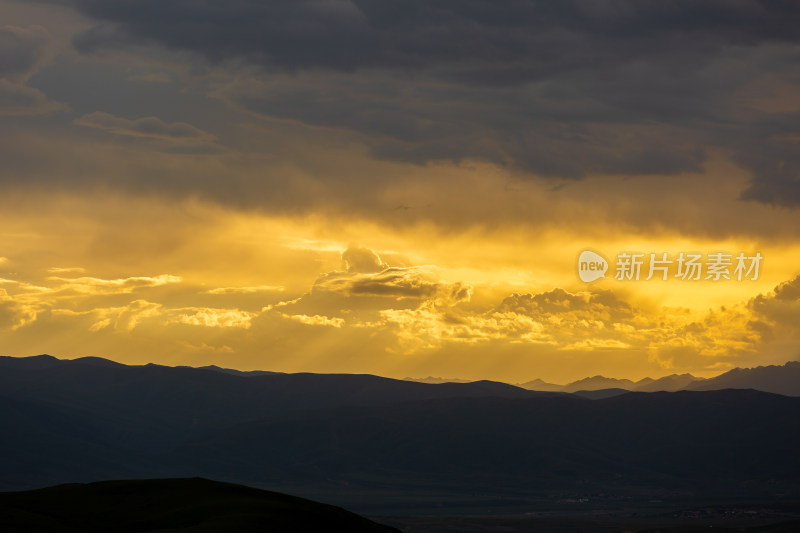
(414, 283)
(65, 270)
(100, 325)
(372, 295)
(558, 318)
(600, 305)
(779, 311)
(430, 327)
(212, 318)
(152, 77)
(23, 51)
(151, 127)
(176, 133)
(788, 290)
(509, 38)
(562, 90)
(367, 276)
(15, 314)
(19, 99)
(29, 301)
(89, 285)
(359, 259)
(420, 312)
(602, 322)
(317, 320)
(246, 290)
(387, 316)
(131, 315)
(205, 347)
(766, 325)
(123, 318)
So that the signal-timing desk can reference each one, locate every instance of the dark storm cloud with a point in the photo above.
(19, 99)
(512, 37)
(23, 51)
(775, 161)
(559, 89)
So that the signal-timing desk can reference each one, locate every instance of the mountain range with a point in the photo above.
(669, 383)
(779, 379)
(368, 443)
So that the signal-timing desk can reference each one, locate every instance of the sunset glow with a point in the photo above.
(163, 201)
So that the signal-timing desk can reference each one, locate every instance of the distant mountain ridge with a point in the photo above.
(673, 382)
(538, 384)
(235, 372)
(783, 379)
(435, 380)
(777, 379)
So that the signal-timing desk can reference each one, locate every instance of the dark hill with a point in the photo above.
(153, 406)
(186, 505)
(681, 440)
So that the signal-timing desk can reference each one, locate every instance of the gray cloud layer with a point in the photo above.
(479, 39)
(23, 51)
(561, 89)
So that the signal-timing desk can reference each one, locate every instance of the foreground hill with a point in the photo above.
(187, 505)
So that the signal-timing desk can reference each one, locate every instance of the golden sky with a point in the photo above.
(343, 187)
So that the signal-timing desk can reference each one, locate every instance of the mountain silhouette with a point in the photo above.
(539, 385)
(107, 418)
(671, 383)
(600, 394)
(436, 380)
(598, 383)
(682, 439)
(361, 440)
(784, 379)
(778, 379)
(238, 372)
(188, 505)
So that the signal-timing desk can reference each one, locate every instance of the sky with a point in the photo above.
(401, 188)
